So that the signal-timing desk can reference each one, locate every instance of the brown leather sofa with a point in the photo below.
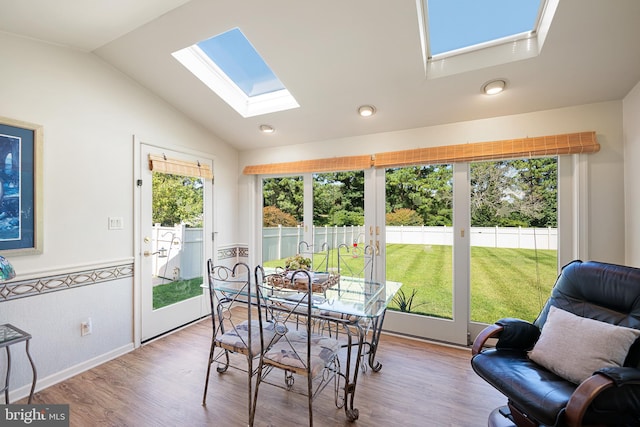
(579, 370)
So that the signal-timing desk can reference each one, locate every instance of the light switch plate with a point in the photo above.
(116, 223)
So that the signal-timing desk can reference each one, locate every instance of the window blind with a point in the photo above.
(160, 163)
(334, 164)
(553, 145)
(573, 143)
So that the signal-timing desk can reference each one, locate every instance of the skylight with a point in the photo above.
(460, 35)
(230, 66)
(458, 24)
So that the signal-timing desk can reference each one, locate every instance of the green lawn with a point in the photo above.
(504, 282)
(179, 290)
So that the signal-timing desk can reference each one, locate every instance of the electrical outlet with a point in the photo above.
(86, 328)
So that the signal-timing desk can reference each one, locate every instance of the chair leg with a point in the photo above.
(222, 369)
(310, 398)
(252, 413)
(249, 387)
(206, 381)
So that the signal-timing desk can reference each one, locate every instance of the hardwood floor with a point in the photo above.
(161, 384)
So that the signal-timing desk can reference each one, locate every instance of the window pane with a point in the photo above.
(513, 237)
(338, 224)
(282, 216)
(419, 206)
(178, 212)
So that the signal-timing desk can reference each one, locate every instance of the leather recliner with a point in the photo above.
(536, 396)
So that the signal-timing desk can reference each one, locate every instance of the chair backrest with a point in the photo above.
(229, 294)
(606, 292)
(319, 259)
(362, 269)
(288, 309)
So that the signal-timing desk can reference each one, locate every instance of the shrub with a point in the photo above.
(404, 216)
(272, 217)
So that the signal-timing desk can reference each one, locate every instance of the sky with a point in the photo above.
(454, 24)
(235, 55)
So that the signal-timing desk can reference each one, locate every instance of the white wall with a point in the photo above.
(631, 125)
(90, 112)
(605, 168)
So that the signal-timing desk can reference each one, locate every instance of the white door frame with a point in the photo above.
(138, 245)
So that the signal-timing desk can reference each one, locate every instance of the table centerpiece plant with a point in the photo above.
(297, 262)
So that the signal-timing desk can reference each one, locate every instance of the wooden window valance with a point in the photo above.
(554, 145)
(160, 163)
(334, 164)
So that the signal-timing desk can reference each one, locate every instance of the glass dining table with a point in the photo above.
(359, 306)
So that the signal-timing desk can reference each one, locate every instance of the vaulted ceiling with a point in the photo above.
(336, 55)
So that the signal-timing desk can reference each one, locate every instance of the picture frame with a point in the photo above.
(20, 187)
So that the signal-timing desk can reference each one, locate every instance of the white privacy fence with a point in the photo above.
(281, 242)
(492, 237)
(178, 252)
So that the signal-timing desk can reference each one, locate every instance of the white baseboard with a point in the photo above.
(43, 383)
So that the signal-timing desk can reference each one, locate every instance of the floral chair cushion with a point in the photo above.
(291, 351)
(237, 339)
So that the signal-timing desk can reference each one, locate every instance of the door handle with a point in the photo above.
(161, 251)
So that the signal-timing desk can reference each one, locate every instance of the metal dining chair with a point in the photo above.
(236, 329)
(297, 348)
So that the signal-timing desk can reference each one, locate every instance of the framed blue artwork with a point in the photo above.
(20, 187)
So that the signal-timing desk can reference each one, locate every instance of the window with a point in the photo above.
(461, 35)
(460, 24)
(230, 66)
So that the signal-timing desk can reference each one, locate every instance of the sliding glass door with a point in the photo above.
(426, 217)
(447, 232)
(319, 216)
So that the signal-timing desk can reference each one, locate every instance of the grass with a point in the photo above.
(504, 282)
(173, 292)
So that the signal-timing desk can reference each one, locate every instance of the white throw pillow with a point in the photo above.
(574, 347)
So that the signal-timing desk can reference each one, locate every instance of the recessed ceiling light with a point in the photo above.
(366, 110)
(267, 129)
(493, 87)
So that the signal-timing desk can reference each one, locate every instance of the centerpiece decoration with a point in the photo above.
(320, 281)
(297, 262)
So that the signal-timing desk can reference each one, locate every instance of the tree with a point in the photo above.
(510, 193)
(286, 194)
(425, 189)
(404, 216)
(346, 218)
(491, 187)
(177, 200)
(273, 217)
(338, 198)
(537, 181)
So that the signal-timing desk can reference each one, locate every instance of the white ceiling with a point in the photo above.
(335, 55)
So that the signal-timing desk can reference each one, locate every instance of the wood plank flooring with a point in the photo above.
(161, 384)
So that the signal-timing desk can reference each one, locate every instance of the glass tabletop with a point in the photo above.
(10, 334)
(350, 296)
